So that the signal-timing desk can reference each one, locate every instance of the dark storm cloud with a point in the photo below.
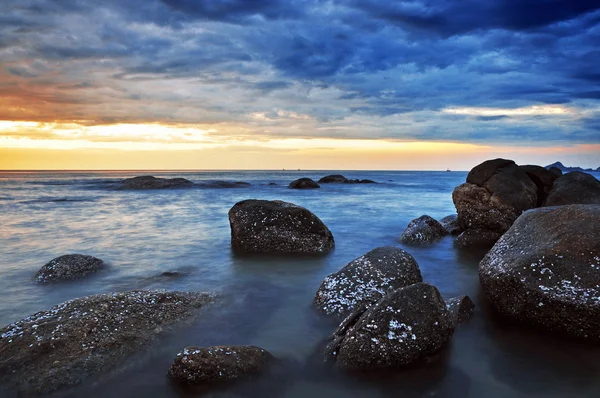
(201, 61)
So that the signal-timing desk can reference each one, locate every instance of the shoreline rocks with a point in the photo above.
(150, 182)
(78, 339)
(303, 183)
(451, 225)
(574, 188)
(460, 309)
(262, 226)
(68, 267)
(366, 279)
(423, 230)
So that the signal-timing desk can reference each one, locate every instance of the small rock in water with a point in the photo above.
(333, 179)
(303, 183)
(451, 225)
(460, 309)
(150, 182)
(423, 230)
(68, 267)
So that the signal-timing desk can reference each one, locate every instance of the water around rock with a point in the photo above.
(460, 308)
(150, 182)
(68, 267)
(423, 230)
(304, 183)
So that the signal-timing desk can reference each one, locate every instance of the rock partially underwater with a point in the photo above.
(303, 183)
(423, 230)
(150, 182)
(68, 267)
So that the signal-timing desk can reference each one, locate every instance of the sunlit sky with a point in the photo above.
(271, 84)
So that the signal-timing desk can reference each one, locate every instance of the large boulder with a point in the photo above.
(366, 279)
(542, 178)
(149, 182)
(424, 229)
(451, 225)
(304, 183)
(333, 179)
(263, 226)
(81, 338)
(495, 194)
(219, 364)
(405, 327)
(68, 267)
(572, 188)
(545, 271)
(475, 237)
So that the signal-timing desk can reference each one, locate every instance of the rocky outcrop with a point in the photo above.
(545, 271)
(475, 237)
(81, 338)
(366, 279)
(262, 226)
(405, 327)
(304, 183)
(495, 194)
(542, 178)
(423, 230)
(149, 182)
(68, 267)
(460, 309)
(451, 225)
(219, 364)
(574, 188)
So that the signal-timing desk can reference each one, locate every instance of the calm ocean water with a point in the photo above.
(267, 301)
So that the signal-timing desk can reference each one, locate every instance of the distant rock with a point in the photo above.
(149, 182)
(460, 309)
(451, 225)
(404, 328)
(366, 181)
(574, 188)
(262, 226)
(545, 271)
(366, 279)
(422, 230)
(564, 168)
(333, 179)
(303, 183)
(82, 338)
(219, 364)
(224, 184)
(68, 267)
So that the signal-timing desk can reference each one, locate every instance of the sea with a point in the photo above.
(267, 300)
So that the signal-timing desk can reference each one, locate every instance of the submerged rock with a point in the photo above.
(366, 279)
(422, 230)
(574, 188)
(405, 327)
(545, 271)
(451, 225)
(80, 338)
(68, 267)
(149, 182)
(303, 183)
(215, 365)
(460, 309)
(263, 226)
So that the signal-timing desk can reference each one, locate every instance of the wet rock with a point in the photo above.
(575, 187)
(81, 338)
(405, 327)
(333, 179)
(460, 309)
(495, 194)
(224, 184)
(422, 230)
(545, 271)
(367, 181)
(303, 183)
(262, 226)
(542, 178)
(475, 237)
(149, 182)
(451, 225)
(214, 365)
(68, 267)
(366, 279)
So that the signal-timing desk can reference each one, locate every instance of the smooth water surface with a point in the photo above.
(266, 301)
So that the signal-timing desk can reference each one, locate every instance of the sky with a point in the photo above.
(312, 84)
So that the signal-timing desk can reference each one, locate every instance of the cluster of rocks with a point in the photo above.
(393, 318)
(150, 182)
(498, 191)
(308, 183)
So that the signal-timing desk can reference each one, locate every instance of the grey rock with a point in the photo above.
(150, 182)
(423, 230)
(451, 225)
(333, 179)
(68, 267)
(572, 188)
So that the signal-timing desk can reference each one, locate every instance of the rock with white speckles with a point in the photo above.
(460, 308)
(366, 279)
(423, 230)
(263, 226)
(451, 225)
(81, 338)
(405, 327)
(219, 364)
(68, 267)
(545, 271)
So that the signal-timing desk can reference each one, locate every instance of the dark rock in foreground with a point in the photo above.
(451, 225)
(542, 178)
(574, 188)
(366, 279)
(475, 237)
(405, 327)
(149, 182)
(68, 267)
(545, 271)
(262, 226)
(303, 183)
(460, 309)
(216, 365)
(423, 230)
(78, 339)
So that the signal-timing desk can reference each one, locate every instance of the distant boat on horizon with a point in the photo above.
(448, 170)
